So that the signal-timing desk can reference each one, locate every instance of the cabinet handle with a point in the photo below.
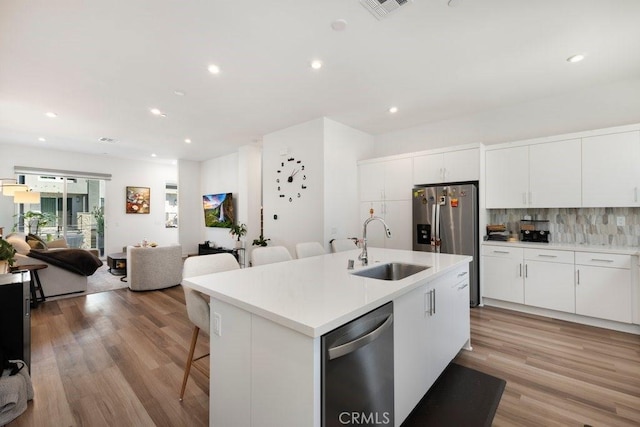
(601, 260)
(464, 273)
(463, 286)
(501, 252)
(547, 256)
(526, 271)
(434, 301)
(578, 278)
(520, 269)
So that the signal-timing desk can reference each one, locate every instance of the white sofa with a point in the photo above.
(154, 268)
(55, 280)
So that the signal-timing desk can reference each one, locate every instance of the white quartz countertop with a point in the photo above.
(317, 294)
(577, 247)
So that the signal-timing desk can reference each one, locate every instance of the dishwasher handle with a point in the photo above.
(351, 346)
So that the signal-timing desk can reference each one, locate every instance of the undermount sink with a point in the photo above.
(391, 271)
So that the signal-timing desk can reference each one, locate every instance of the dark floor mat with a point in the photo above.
(461, 397)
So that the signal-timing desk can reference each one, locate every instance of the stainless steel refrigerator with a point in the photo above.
(445, 219)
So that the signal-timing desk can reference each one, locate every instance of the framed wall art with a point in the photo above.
(138, 200)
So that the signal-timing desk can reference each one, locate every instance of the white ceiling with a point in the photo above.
(101, 65)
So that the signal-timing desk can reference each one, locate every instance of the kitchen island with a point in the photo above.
(267, 323)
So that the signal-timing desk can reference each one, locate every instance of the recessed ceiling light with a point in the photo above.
(393, 110)
(106, 139)
(157, 112)
(575, 58)
(316, 64)
(339, 25)
(188, 141)
(214, 69)
(154, 155)
(178, 93)
(51, 114)
(41, 139)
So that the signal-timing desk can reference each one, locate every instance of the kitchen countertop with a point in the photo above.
(577, 247)
(317, 294)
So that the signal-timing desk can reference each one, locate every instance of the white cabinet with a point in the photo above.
(431, 325)
(397, 215)
(502, 273)
(611, 175)
(549, 279)
(385, 180)
(594, 284)
(603, 286)
(385, 187)
(540, 175)
(450, 166)
(555, 172)
(507, 178)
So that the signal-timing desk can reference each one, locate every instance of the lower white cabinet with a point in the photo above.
(603, 286)
(594, 284)
(548, 279)
(502, 273)
(431, 325)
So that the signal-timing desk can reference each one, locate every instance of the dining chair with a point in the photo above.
(269, 254)
(340, 245)
(307, 249)
(198, 308)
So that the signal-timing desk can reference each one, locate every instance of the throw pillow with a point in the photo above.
(36, 242)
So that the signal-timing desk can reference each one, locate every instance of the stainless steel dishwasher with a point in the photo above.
(357, 371)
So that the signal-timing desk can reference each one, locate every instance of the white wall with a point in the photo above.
(343, 147)
(190, 213)
(250, 192)
(219, 175)
(301, 219)
(592, 108)
(121, 229)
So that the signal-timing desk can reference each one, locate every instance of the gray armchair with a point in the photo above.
(154, 268)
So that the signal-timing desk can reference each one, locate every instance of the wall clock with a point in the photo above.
(291, 179)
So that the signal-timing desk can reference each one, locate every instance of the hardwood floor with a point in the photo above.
(117, 358)
(558, 373)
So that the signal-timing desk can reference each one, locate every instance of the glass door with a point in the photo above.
(70, 208)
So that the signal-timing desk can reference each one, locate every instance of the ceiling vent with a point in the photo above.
(381, 8)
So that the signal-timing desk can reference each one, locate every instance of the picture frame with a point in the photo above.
(138, 200)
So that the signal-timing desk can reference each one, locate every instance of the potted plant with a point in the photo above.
(260, 241)
(98, 215)
(35, 220)
(238, 230)
(7, 256)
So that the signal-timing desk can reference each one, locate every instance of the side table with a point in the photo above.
(35, 285)
(117, 263)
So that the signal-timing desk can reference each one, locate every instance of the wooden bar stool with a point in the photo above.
(35, 285)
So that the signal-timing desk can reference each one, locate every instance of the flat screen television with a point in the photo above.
(218, 210)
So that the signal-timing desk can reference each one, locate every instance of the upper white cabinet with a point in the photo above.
(611, 170)
(450, 166)
(555, 174)
(385, 180)
(541, 175)
(507, 177)
(587, 170)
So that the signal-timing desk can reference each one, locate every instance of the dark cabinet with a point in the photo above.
(205, 249)
(15, 316)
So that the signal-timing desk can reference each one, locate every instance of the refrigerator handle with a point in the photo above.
(434, 232)
(437, 226)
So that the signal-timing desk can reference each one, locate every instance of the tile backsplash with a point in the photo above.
(594, 226)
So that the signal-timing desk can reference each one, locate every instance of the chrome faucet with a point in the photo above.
(364, 256)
